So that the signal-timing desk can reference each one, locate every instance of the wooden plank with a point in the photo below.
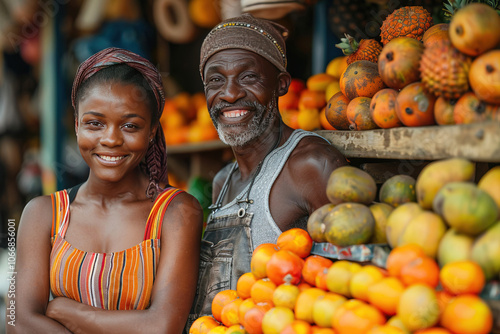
(477, 142)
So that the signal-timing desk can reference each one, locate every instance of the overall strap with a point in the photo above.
(155, 219)
(60, 213)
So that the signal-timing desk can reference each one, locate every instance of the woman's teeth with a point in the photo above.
(104, 157)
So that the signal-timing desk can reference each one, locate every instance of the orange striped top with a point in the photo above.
(112, 281)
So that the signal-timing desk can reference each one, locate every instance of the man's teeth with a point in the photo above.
(236, 113)
(104, 157)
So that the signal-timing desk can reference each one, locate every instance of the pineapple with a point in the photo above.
(453, 6)
(407, 21)
(366, 49)
(445, 70)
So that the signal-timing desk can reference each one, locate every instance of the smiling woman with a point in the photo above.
(96, 247)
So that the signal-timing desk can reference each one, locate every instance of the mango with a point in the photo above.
(397, 221)
(380, 212)
(349, 224)
(426, 230)
(398, 190)
(351, 184)
(315, 225)
(465, 207)
(490, 182)
(454, 246)
(437, 174)
(486, 251)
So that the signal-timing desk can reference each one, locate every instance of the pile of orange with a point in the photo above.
(185, 119)
(290, 291)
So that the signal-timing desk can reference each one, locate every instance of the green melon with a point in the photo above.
(351, 184)
(398, 190)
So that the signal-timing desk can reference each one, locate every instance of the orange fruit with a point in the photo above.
(467, 314)
(289, 101)
(218, 330)
(433, 330)
(332, 89)
(253, 317)
(312, 266)
(260, 257)
(220, 300)
(230, 313)
(461, 277)
(296, 240)
(236, 329)
(284, 266)
(361, 79)
(385, 294)
(203, 325)
(396, 322)
(286, 295)
(305, 304)
(262, 290)
(308, 119)
(418, 307)
(304, 286)
(325, 125)
(276, 319)
(423, 270)
(321, 330)
(290, 118)
(402, 255)
(443, 298)
(320, 280)
(356, 317)
(244, 285)
(339, 276)
(363, 279)
(336, 66)
(297, 327)
(325, 306)
(385, 329)
(296, 86)
(245, 305)
(415, 106)
(310, 99)
(319, 81)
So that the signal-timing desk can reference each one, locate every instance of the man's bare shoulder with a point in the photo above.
(315, 151)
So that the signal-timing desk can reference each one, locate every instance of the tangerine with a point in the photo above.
(309, 119)
(320, 280)
(262, 290)
(297, 327)
(313, 265)
(324, 308)
(337, 66)
(220, 300)
(385, 329)
(286, 295)
(253, 318)
(402, 255)
(319, 81)
(218, 330)
(339, 276)
(356, 317)
(363, 279)
(305, 304)
(284, 266)
(244, 285)
(297, 241)
(310, 99)
(461, 277)
(276, 319)
(385, 294)
(203, 325)
(289, 101)
(260, 256)
(246, 305)
(467, 314)
(423, 270)
(230, 313)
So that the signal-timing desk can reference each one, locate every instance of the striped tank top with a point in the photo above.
(112, 281)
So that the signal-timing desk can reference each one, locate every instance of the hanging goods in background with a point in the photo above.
(172, 21)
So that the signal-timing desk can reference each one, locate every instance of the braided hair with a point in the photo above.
(155, 162)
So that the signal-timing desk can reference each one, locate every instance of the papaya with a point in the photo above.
(350, 184)
(490, 182)
(397, 190)
(426, 230)
(380, 212)
(486, 251)
(465, 207)
(437, 174)
(397, 221)
(315, 225)
(454, 246)
(349, 224)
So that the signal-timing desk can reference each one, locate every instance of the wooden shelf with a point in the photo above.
(477, 142)
(196, 147)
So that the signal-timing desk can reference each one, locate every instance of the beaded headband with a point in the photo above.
(266, 38)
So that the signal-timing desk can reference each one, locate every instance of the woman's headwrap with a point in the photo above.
(263, 37)
(156, 156)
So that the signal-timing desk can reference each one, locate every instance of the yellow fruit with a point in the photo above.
(286, 295)
(276, 319)
(418, 307)
(339, 277)
(336, 66)
(362, 280)
(324, 308)
(308, 119)
(332, 89)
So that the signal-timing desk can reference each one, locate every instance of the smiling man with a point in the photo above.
(280, 174)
